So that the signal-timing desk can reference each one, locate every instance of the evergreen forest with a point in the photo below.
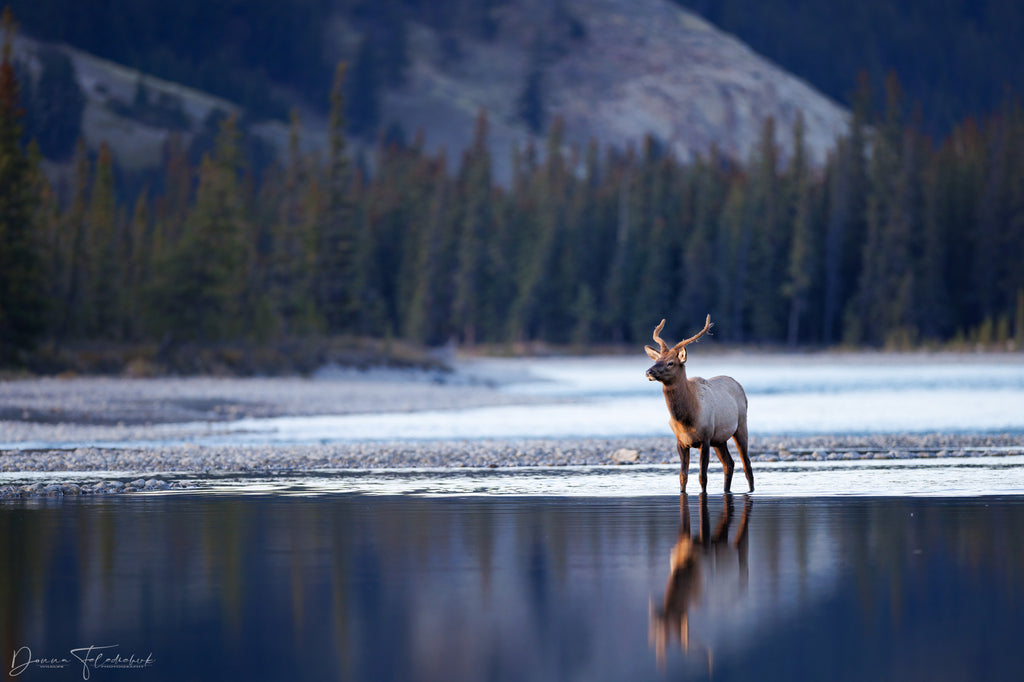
(899, 240)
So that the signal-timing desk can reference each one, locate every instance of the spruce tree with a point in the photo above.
(762, 297)
(137, 268)
(846, 217)
(102, 281)
(291, 250)
(422, 320)
(50, 235)
(203, 285)
(800, 272)
(468, 303)
(619, 283)
(700, 290)
(734, 240)
(886, 275)
(22, 314)
(537, 241)
(335, 285)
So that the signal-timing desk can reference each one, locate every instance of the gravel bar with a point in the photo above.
(154, 468)
(96, 409)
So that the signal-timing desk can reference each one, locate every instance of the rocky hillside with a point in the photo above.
(613, 70)
(638, 67)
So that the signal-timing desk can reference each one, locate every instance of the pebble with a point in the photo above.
(625, 456)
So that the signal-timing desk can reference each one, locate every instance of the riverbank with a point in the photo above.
(90, 470)
(88, 431)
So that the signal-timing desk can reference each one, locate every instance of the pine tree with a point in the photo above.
(173, 205)
(335, 277)
(138, 264)
(22, 313)
(800, 273)
(203, 285)
(763, 300)
(846, 215)
(428, 290)
(696, 285)
(707, 292)
(102, 281)
(291, 256)
(660, 239)
(586, 243)
(734, 244)
(468, 303)
(616, 292)
(537, 241)
(48, 224)
(886, 277)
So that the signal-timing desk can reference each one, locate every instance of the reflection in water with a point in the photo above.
(687, 578)
(405, 588)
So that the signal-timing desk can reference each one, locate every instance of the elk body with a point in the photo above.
(703, 413)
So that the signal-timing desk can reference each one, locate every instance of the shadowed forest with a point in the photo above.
(901, 239)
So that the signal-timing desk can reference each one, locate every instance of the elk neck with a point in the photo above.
(682, 400)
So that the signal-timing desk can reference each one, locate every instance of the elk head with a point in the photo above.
(669, 363)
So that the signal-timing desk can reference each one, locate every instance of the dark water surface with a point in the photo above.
(254, 587)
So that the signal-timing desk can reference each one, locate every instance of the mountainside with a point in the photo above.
(638, 67)
(613, 70)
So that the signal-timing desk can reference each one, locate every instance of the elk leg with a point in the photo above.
(727, 464)
(684, 465)
(705, 456)
(741, 444)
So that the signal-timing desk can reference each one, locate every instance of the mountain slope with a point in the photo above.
(643, 66)
(613, 70)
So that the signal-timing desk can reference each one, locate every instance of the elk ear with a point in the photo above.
(651, 353)
(682, 355)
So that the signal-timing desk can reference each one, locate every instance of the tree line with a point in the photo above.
(897, 240)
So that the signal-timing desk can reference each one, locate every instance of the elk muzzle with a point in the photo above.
(658, 372)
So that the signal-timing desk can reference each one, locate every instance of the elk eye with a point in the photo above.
(670, 363)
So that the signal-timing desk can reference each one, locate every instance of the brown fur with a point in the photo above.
(703, 413)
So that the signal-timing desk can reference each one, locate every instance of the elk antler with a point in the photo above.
(680, 347)
(657, 330)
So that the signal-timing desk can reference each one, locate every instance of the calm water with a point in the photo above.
(387, 587)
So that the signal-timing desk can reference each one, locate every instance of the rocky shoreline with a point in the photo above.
(89, 470)
(122, 413)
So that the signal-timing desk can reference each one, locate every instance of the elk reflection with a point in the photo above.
(694, 563)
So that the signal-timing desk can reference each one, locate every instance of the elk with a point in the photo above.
(689, 557)
(703, 413)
